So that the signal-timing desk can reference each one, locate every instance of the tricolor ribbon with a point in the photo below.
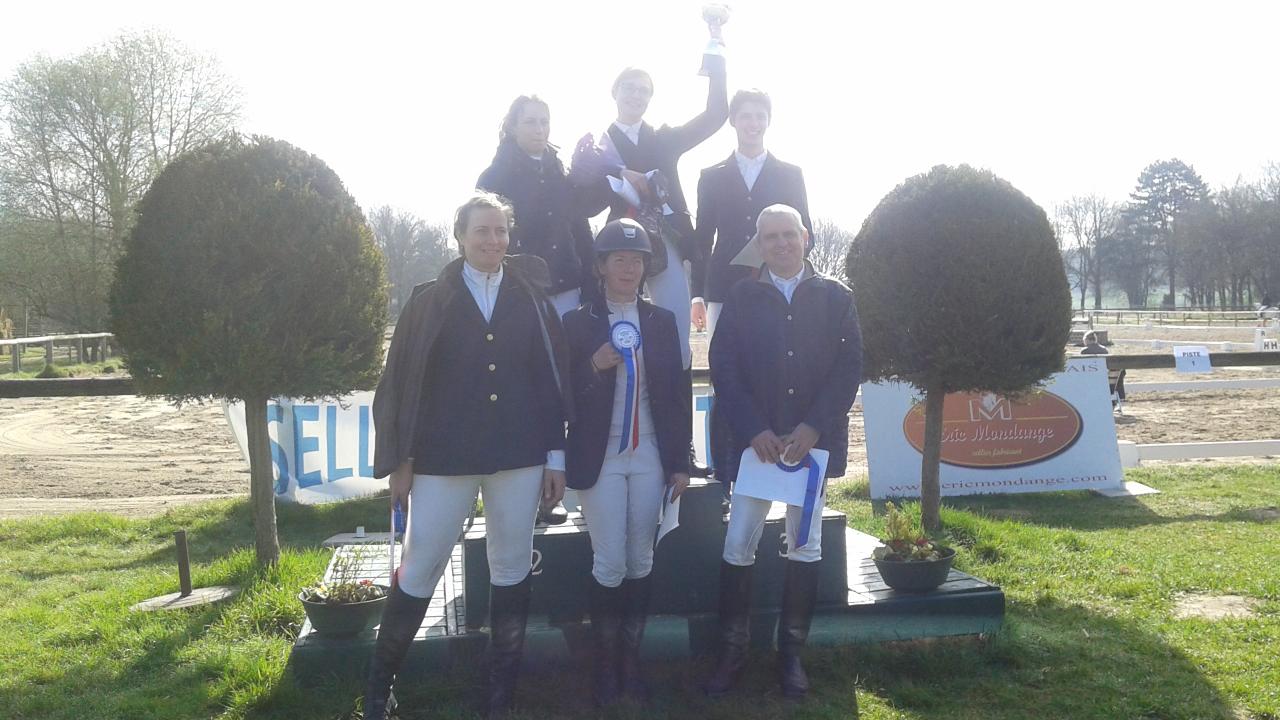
(625, 338)
(811, 491)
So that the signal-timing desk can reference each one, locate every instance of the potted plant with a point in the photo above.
(909, 561)
(345, 604)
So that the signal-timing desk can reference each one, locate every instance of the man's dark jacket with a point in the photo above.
(661, 150)
(587, 328)
(775, 365)
(398, 401)
(551, 220)
(727, 214)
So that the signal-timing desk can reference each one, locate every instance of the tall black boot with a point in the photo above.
(606, 624)
(637, 594)
(508, 615)
(401, 618)
(735, 627)
(799, 596)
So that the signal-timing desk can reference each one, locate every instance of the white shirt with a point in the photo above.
(750, 167)
(631, 313)
(631, 131)
(787, 285)
(484, 288)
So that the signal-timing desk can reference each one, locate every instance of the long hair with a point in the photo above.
(507, 131)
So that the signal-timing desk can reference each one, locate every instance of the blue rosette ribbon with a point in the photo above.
(625, 338)
(812, 489)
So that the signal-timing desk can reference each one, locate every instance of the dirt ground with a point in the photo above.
(135, 456)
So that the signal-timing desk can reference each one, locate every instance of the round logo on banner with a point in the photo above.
(984, 430)
(624, 336)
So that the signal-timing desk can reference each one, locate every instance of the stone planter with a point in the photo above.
(916, 575)
(339, 619)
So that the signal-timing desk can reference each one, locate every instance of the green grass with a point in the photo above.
(1089, 632)
(32, 364)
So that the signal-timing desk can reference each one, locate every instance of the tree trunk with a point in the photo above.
(262, 496)
(930, 490)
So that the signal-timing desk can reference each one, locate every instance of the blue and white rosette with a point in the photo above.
(812, 490)
(625, 338)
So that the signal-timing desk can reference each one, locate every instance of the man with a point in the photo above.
(643, 150)
(731, 195)
(786, 360)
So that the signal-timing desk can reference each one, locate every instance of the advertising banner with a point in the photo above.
(1060, 437)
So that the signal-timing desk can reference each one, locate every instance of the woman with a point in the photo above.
(470, 401)
(549, 220)
(627, 445)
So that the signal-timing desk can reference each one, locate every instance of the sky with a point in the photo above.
(1061, 99)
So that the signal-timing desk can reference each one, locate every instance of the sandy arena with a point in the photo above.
(135, 456)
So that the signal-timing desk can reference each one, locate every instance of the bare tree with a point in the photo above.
(81, 139)
(414, 251)
(830, 246)
(1086, 221)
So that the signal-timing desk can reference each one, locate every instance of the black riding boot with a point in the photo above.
(401, 618)
(637, 594)
(735, 627)
(508, 615)
(606, 624)
(799, 596)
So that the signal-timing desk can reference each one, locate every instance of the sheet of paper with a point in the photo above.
(670, 519)
(767, 481)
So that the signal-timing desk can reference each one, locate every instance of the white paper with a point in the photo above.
(670, 516)
(1191, 359)
(767, 481)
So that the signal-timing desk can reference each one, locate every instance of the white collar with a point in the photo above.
(786, 281)
(750, 161)
(480, 277)
(631, 131)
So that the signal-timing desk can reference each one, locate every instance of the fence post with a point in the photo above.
(48, 353)
(17, 358)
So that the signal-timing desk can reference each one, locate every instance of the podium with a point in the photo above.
(854, 605)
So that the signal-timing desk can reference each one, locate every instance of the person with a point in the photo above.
(643, 150)
(731, 195)
(550, 219)
(550, 216)
(786, 360)
(472, 400)
(627, 447)
(1092, 346)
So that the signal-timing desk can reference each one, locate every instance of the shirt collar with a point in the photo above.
(744, 161)
(478, 277)
(631, 131)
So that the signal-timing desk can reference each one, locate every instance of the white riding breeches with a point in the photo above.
(746, 523)
(621, 511)
(440, 504)
(669, 289)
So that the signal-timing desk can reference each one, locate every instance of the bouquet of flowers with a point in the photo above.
(904, 541)
(592, 162)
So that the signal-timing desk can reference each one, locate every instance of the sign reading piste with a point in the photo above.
(1192, 359)
(1060, 437)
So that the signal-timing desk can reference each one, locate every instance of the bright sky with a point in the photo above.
(404, 100)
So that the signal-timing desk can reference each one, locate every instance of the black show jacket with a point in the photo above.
(727, 214)
(775, 365)
(587, 328)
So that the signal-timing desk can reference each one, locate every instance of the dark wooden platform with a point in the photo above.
(854, 606)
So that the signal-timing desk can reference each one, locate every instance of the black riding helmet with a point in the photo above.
(622, 234)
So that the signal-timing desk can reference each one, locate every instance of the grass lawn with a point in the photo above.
(1090, 630)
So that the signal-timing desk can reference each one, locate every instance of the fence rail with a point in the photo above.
(98, 346)
(69, 387)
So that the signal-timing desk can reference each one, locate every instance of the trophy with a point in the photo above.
(715, 15)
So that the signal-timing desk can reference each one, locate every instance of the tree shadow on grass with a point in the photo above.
(1050, 661)
(1088, 511)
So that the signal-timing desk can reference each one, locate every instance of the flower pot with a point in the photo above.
(344, 618)
(916, 575)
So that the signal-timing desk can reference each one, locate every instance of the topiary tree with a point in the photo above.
(250, 274)
(959, 287)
